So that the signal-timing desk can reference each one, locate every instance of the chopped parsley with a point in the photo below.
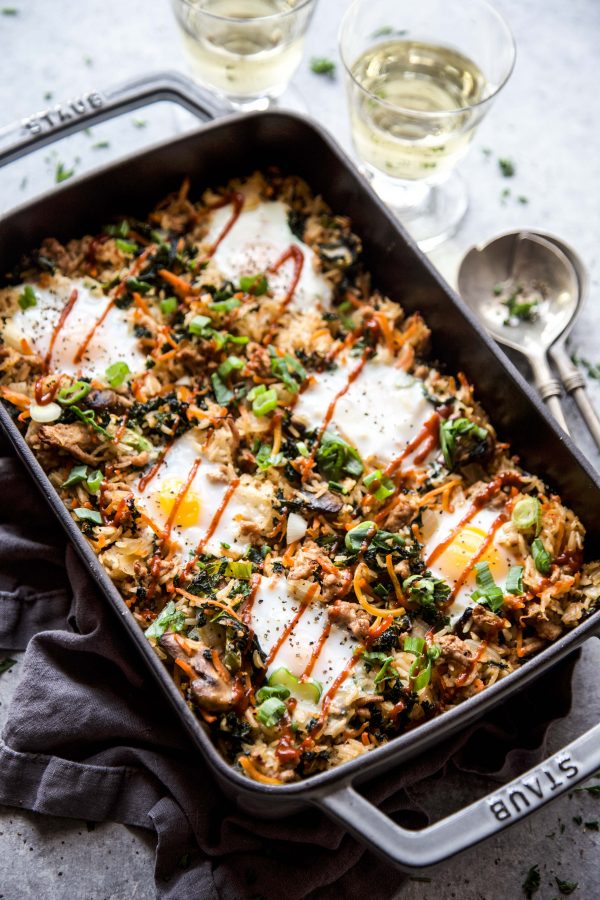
(565, 887)
(532, 882)
(6, 664)
(61, 173)
(320, 65)
(507, 167)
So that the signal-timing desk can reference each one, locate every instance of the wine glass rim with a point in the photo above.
(423, 113)
(253, 19)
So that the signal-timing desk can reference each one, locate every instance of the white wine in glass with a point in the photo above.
(420, 77)
(245, 50)
(412, 75)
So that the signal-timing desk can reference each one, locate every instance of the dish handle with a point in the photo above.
(410, 850)
(62, 119)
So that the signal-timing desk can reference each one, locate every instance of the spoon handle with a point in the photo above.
(574, 383)
(549, 388)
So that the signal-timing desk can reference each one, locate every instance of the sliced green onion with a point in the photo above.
(67, 396)
(336, 458)
(414, 645)
(337, 487)
(488, 591)
(131, 438)
(168, 306)
(198, 324)
(120, 230)
(265, 459)
(254, 284)
(271, 711)
(127, 247)
(527, 514)
(256, 392)
(169, 619)
(117, 373)
(385, 489)
(223, 395)
(277, 690)
(88, 515)
(373, 478)
(231, 364)
(514, 580)
(357, 536)
(27, 298)
(302, 449)
(541, 557)
(386, 668)
(309, 690)
(75, 476)
(284, 367)
(422, 679)
(94, 481)
(434, 651)
(265, 403)
(225, 306)
(241, 570)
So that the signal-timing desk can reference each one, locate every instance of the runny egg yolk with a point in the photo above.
(188, 506)
(458, 555)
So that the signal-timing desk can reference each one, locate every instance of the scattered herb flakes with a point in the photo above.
(23, 183)
(320, 65)
(522, 199)
(565, 887)
(532, 882)
(139, 123)
(101, 145)
(9, 11)
(48, 95)
(592, 826)
(61, 172)
(507, 167)
(388, 31)
(578, 820)
(504, 195)
(593, 790)
(486, 151)
(88, 60)
(6, 664)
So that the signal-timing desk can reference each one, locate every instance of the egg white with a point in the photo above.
(175, 468)
(437, 527)
(380, 413)
(256, 241)
(113, 340)
(273, 609)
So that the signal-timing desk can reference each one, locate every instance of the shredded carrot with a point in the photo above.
(389, 564)
(26, 347)
(178, 284)
(220, 667)
(184, 189)
(209, 602)
(14, 397)
(386, 330)
(288, 556)
(365, 739)
(23, 416)
(141, 303)
(168, 355)
(186, 668)
(321, 332)
(251, 770)
(358, 583)
(520, 651)
(185, 645)
(406, 358)
(207, 716)
(448, 486)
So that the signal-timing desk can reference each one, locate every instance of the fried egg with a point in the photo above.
(273, 609)
(454, 564)
(113, 340)
(256, 241)
(202, 501)
(382, 411)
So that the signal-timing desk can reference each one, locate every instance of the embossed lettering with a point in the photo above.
(513, 797)
(95, 100)
(500, 810)
(554, 784)
(64, 115)
(568, 767)
(535, 790)
(78, 106)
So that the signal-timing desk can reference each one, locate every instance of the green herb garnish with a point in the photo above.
(61, 173)
(514, 580)
(452, 431)
(541, 557)
(241, 570)
(231, 364)
(168, 306)
(507, 167)
(198, 324)
(271, 711)
(127, 247)
(88, 515)
(488, 593)
(223, 395)
(170, 619)
(6, 664)
(532, 882)
(76, 476)
(75, 392)
(117, 373)
(257, 285)
(263, 401)
(335, 458)
(27, 298)
(320, 65)
(527, 514)
(565, 887)
(359, 535)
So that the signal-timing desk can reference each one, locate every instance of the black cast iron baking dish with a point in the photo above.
(213, 154)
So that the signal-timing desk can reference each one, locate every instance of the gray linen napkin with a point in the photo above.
(89, 736)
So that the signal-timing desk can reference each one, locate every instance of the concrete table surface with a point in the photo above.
(545, 121)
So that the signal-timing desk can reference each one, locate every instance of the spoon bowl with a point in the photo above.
(499, 278)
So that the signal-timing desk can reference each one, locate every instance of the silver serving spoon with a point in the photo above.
(527, 266)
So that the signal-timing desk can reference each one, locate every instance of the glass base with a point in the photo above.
(431, 213)
(290, 98)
